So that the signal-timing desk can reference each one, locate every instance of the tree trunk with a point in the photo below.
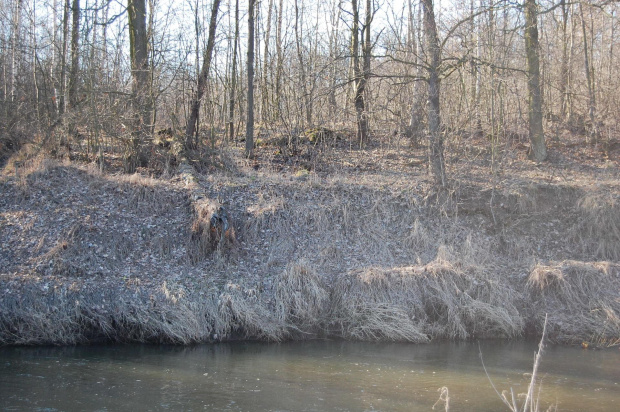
(358, 78)
(416, 121)
(592, 132)
(233, 80)
(15, 43)
(249, 127)
(333, 52)
(192, 124)
(279, 63)
(476, 124)
(564, 62)
(63, 58)
(538, 151)
(266, 65)
(436, 156)
(75, 53)
(141, 93)
(302, 68)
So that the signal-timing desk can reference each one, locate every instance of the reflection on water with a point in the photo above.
(309, 376)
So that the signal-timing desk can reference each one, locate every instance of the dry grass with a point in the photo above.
(38, 314)
(581, 299)
(420, 303)
(244, 315)
(301, 298)
(598, 227)
(359, 248)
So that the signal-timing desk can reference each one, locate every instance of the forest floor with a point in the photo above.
(326, 239)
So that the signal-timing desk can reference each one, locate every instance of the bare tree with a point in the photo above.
(307, 104)
(266, 66)
(63, 57)
(249, 128)
(192, 123)
(141, 93)
(416, 122)
(359, 77)
(436, 155)
(589, 69)
(538, 150)
(75, 53)
(233, 77)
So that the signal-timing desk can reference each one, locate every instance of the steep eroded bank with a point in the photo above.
(371, 255)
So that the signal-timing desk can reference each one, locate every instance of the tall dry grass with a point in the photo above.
(301, 300)
(580, 297)
(597, 230)
(420, 303)
(37, 314)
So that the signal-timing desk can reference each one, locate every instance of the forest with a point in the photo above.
(409, 170)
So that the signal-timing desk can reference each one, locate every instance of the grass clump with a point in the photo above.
(419, 303)
(581, 299)
(598, 226)
(301, 299)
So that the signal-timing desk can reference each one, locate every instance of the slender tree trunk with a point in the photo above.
(366, 58)
(416, 122)
(192, 124)
(266, 65)
(249, 127)
(538, 150)
(53, 56)
(279, 63)
(15, 43)
(612, 36)
(302, 67)
(233, 80)
(358, 78)
(35, 46)
(75, 53)
(333, 52)
(564, 63)
(141, 94)
(63, 58)
(475, 74)
(592, 133)
(436, 155)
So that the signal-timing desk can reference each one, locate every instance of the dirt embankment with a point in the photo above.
(367, 252)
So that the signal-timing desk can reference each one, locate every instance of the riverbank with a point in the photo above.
(331, 241)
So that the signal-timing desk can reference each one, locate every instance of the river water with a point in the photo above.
(307, 376)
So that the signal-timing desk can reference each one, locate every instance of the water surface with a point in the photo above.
(308, 376)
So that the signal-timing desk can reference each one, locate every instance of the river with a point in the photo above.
(302, 376)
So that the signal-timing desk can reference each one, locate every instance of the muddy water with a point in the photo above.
(310, 376)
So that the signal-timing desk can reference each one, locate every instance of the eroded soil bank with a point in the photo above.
(348, 243)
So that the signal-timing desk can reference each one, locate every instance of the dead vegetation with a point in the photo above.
(422, 303)
(597, 230)
(355, 244)
(581, 299)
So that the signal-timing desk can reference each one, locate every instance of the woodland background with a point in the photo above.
(113, 79)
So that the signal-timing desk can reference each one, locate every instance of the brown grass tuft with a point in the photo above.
(301, 298)
(581, 299)
(598, 227)
(242, 314)
(417, 303)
